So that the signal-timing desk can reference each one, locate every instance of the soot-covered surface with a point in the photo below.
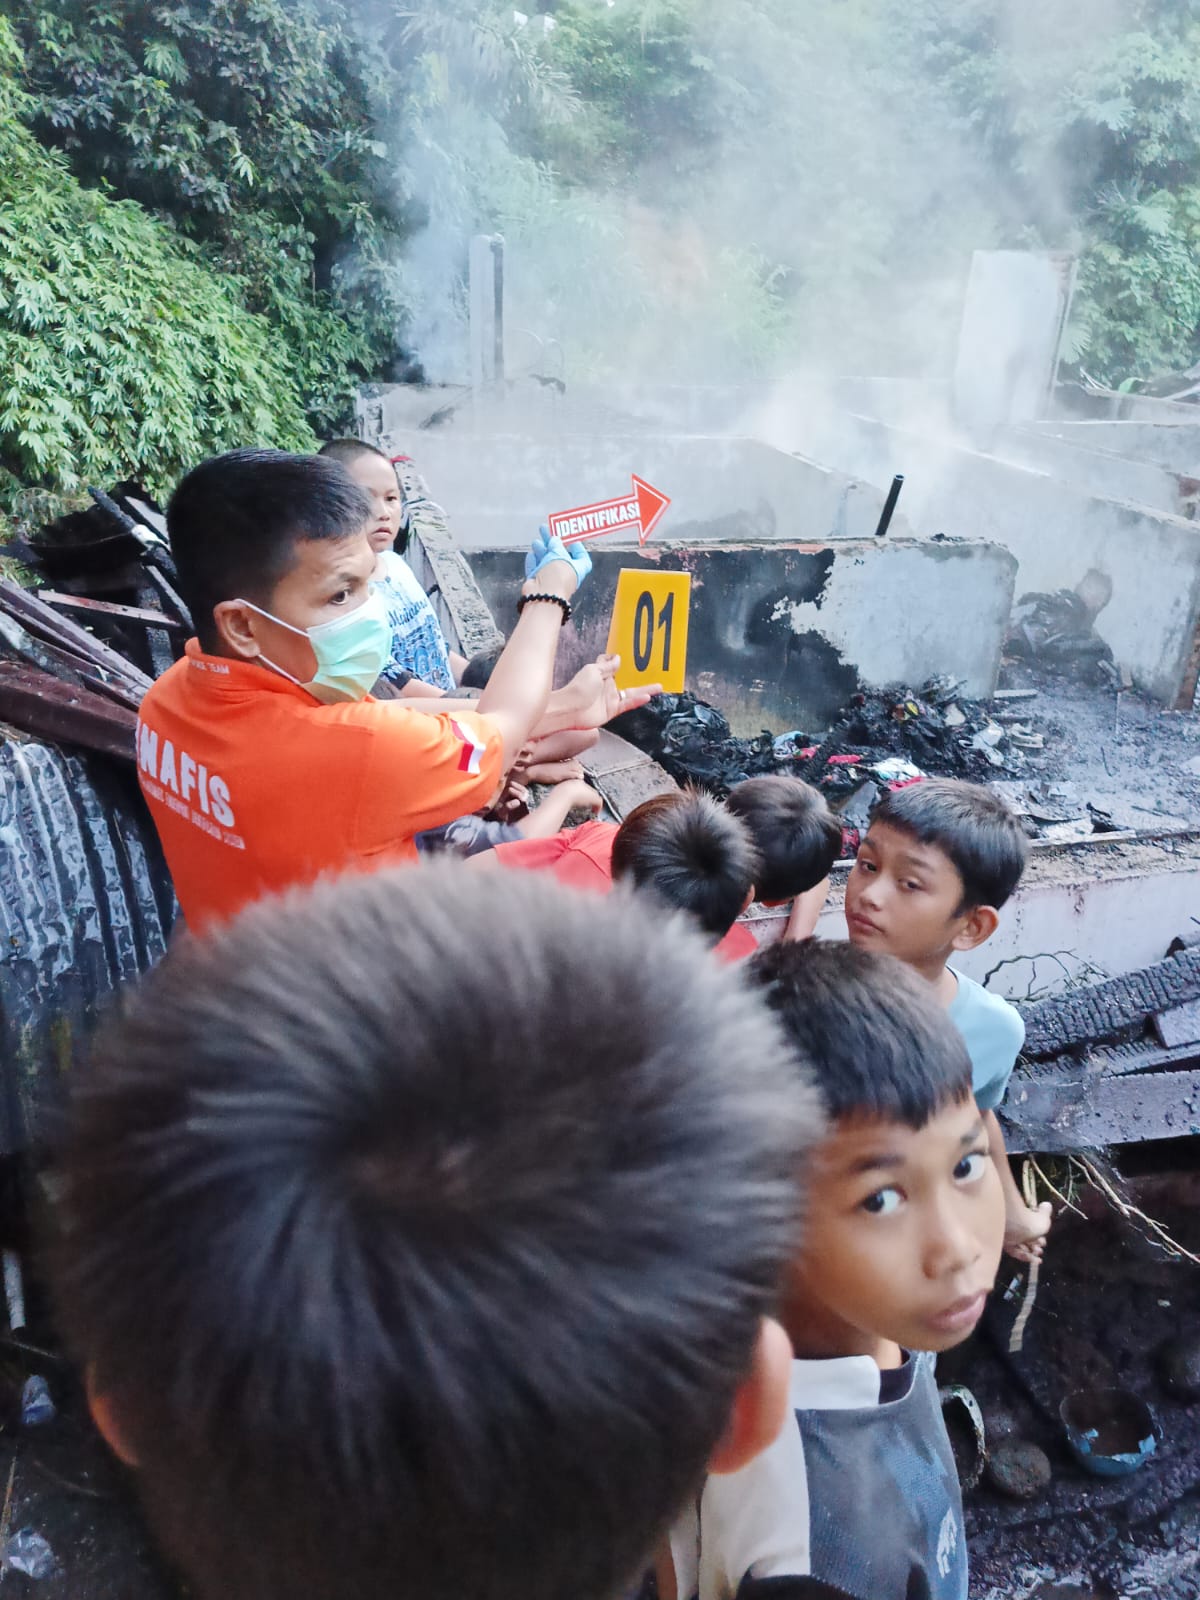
(1106, 1304)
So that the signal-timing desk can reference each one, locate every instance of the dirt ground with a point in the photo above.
(67, 1488)
(1106, 1303)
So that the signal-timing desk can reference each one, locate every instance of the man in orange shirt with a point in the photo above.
(263, 758)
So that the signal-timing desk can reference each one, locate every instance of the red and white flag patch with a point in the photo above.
(473, 750)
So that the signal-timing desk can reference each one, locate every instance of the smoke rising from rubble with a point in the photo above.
(827, 224)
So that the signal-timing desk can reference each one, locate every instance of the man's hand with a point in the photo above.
(1025, 1230)
(592, 698)
(551, 566)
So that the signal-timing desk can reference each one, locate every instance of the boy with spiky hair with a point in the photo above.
(940, 860)
(422, 1235)
(858, 1497)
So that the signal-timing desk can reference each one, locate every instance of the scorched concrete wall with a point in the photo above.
(1173, 445)
(1058, 532)
(782, 636)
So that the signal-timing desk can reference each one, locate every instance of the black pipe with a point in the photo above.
(889, 506)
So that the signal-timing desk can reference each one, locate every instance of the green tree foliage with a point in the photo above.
(691, 189)
(1088, 118)
(248, 126)
(119, 350)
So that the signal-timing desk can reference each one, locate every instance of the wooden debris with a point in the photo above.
(59, 634)
(145, 616)
(42, 704)
(1071, 1109)
(1103, 1010)
(1179, 1026)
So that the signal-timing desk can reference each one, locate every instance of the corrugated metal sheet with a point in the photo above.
(85, 905)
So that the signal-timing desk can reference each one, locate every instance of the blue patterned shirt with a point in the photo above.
(418, 644)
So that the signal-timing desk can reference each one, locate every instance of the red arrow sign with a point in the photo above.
(640, 510)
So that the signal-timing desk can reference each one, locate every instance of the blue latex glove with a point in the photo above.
(546, 549)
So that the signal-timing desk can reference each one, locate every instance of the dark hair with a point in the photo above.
(797, 837)
(404, 1214)
(347, 450)
(691, 853)
(352, 449)
(235, 520)
(480, 667)
(877, 1040)
(967, 822)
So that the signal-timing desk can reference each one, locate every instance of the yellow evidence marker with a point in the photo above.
(649, 628)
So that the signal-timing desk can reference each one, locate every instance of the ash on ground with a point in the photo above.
(1073, 756)
(1106, 1305)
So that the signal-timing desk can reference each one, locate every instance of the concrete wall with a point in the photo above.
(1171, 445)
(782, 636)
(496, 488)
(1085, 464)
(1058, 532)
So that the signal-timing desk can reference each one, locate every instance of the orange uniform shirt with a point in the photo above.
(582, 858)
(255, 787)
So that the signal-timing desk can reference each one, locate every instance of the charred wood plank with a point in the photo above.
(64, 634)
(44, 706)
(65, 666)
(1078, 1109)
(1104, 1010)
(1123, 1059)
(145, 617)
(167, 590)
(1181, 1025)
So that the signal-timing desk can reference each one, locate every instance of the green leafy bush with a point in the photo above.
(119, 351)
(248, 128)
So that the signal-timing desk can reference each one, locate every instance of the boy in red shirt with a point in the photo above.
(795, 837)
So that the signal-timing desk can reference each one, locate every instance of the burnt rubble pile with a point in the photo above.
(1113, 1062)
(78, 653)
(693, 742)
(1117, 1008)
(1057, 631)
(883, 740)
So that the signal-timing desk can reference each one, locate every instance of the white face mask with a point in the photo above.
(351, 651)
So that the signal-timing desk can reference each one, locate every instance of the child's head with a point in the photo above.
(479, 669)
(374, 472)
(939, 861)
(796, 835)
(259, 531)
(420, 1233)
(905, 1217)
(692, 854)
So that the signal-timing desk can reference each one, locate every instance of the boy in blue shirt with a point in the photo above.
(939, 861)
(858, 1497)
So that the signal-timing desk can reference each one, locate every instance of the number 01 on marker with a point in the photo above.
(649, 629)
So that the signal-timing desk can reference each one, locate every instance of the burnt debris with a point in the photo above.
(76, 659)
(694, 743)
(1057, 630)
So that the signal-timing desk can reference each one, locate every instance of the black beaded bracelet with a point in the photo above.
(554, 599)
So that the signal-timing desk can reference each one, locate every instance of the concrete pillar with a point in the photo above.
(1013, 320)
(487, 310)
